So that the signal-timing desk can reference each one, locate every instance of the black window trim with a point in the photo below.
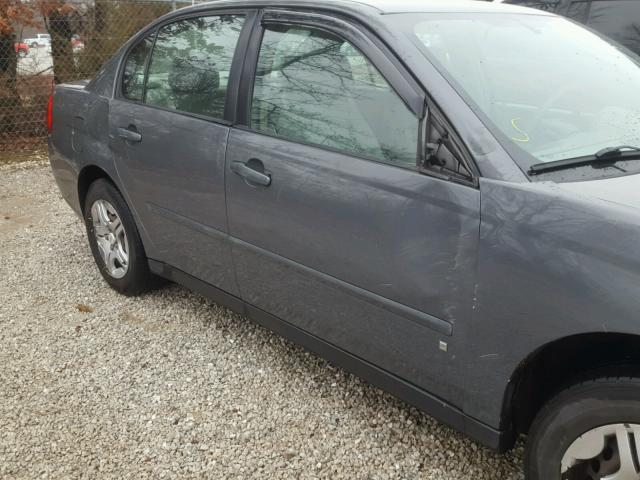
(250, 15)
(453, 142)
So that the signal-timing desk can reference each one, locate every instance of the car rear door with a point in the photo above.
(169, 125)
(333, 228)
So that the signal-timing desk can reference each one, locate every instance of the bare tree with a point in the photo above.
(59, 18)
(13, 13)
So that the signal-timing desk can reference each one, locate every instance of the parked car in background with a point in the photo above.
(442, 197)
(21, 48)
(617, 19)
(40, 40)
(77, 43)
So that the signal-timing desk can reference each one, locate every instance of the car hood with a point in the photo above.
(619, 190)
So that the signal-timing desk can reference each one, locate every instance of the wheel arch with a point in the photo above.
(86, 177)
(92, 172)
(558, 364)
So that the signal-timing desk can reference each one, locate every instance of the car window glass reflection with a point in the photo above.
(190, 64)
(315, 88)
(133, 77)
(533, 76)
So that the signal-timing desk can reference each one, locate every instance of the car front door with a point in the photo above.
(334, 229)
(169, 128)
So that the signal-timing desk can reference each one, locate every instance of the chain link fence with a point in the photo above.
(43, 42)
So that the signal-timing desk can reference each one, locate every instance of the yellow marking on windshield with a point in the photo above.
(525, 137)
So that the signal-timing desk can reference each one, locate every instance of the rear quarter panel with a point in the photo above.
(79, 138)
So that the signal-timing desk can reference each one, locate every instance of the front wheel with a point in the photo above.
(590, 431)
(114, 240)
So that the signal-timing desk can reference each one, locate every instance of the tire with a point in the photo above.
(133, 276)
(607, 408)
(34, 44)
(22, 53)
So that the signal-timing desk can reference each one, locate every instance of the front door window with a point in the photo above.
(313, 87)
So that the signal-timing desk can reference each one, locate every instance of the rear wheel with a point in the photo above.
(114, 240)
(590, 431)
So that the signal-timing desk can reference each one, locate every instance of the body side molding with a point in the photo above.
(433, 406)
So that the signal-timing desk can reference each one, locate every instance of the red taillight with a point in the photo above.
(50, 113)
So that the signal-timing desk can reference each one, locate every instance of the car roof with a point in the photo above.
(427, 6)
(382, 6)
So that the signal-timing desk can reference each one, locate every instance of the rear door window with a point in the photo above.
(190, 65)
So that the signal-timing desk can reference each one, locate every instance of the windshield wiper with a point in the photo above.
(615, 151)
(606, 156)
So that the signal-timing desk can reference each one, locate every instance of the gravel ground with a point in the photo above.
(171, 385)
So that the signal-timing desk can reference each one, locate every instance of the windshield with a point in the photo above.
(553, 89)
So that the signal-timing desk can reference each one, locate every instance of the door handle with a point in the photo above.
(250, 172)
(128, 134)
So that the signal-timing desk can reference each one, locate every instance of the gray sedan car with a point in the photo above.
(441, 197)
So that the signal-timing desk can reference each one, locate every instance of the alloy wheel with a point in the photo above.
(111, 238)
(609, 452)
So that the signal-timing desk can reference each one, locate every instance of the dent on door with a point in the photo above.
(375, 259)
(175, 179)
